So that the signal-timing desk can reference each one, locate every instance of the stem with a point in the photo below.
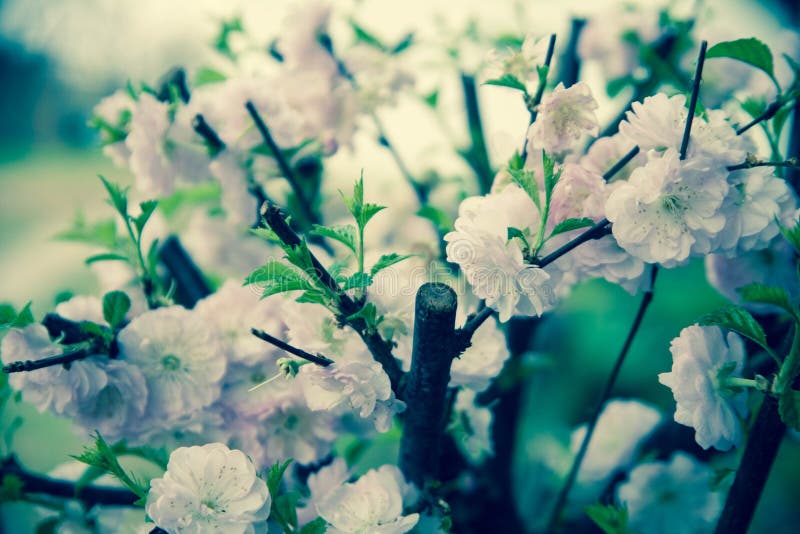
(190, 285)
(751, 477)
(90, 495)
(597, 231)
(318, 359)
(71, 354)
(561, 500)
(610, 173)
(570, 62)
(537, 98)
(284, 166)
(380, 348)
(426, 389)
(768, 113)
(478, 157)
(789, 163)
(737, 382)
(465, 333)
(698, 74)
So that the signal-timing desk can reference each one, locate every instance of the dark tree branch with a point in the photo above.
(601, 229)
(90, 495)
(175, 77)
(380, 348)
(204, 130)
(698, 74)
(71, 354)
(768, 113)
(478, 155)
(534, 102)
(286, 169)
(610, 173)
(465, 333)
(318, 359)
(570, 62)
(190, 285)
(754, 468)
(426, 387)
(793, 175)
(791, 163)
(563, 494)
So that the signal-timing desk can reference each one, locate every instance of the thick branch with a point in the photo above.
(751, 477)
(570, 62)
(90, 495)
(561, 500)
(190, 285)
(426, 388)
(318, 359)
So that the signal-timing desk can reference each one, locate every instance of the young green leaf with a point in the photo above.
(118, 197)
(277, 277)
(317, 526)
(368, 312)
(365, 37)
(750, 51)
(739, 320)
(387, 260)
(147, 207)
(508, 80)
(516, 233)
(609, 518)
(569, 225)
(402, 45)
(275, 475)
(792, 235)
(110, 256)
(345, 234)
(765, 294)
(206, 75)
(432, 98)
(440, 218)
(527, 181)
(551, 176)
(356, 281)
(116, 305)
(11, 319)
(101, 233)
(368, 211)
(103, 457)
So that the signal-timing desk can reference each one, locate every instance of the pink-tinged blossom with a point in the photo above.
(564, 117)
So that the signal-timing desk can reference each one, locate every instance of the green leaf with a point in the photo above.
(365, 37)
(360, 211)
(317, 526)
(227, 28)
(513, 233)
(526, 180)
(266, 234)
(368, 312)
(754, 106)
(507, 80)
(765, 294)
(609, 518)
(103, 457)
(208, 75)
(277, 277)
(110, 256)
(750, 51)
(7, 314)
(102, 233)
(9, 318)
(569, 225)
(275, 475)
(789, 408)
(147, 207)
(300, 257)
(403, 44)
(368, 212)
(357, 280)
(118, 197)
(550, 176)
(437, 216)
(286, 507)
(387, 260)
(792, 235)
(345, 234)
(739, 320)
(432, 98)
(116, 305)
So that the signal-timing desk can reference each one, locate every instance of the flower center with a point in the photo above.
(170, 362)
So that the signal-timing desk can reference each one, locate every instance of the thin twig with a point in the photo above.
(478, 153)
(71, 354)
(698, 74)
(610, 173)
(318, 359)
(768, 113)
(601, 229)
(284, 166)
(204, 130)
(790, 163)
(563, 494)
(465, 333)
(534, 102)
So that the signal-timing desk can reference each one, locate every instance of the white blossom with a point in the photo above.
(622, 426)
(493, 264)
(669, 209)
(181, 357)
(373, 503)
(671, 497)
(564, 117)
(239, 204)
(483, 360)
(702, 359)
(82, 308)
(209, 489)
(521, 64)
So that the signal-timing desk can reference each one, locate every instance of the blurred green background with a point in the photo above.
(49, 162)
